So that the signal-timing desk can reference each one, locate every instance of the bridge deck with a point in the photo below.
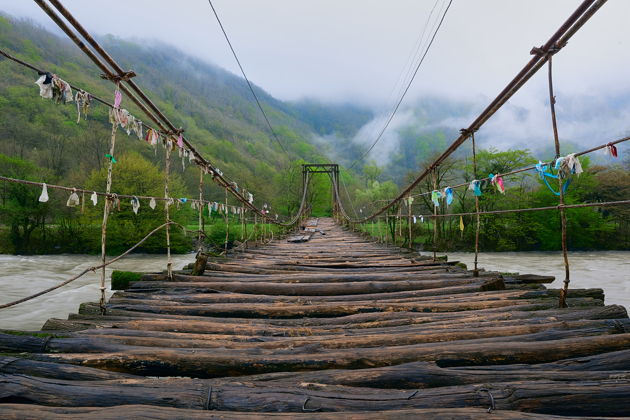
(336, 327)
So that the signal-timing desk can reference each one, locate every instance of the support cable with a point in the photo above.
(251, 88)
(391, 117)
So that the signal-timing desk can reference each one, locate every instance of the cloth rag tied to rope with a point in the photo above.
(435, 197)
(44, 195)
(475, 187)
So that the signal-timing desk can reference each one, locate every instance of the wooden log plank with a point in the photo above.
(309, 289)
(141, 412)
(607, 398)
(212, 363)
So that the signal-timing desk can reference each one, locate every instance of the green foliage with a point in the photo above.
(588, 228)
(122, 279)
(20, 209)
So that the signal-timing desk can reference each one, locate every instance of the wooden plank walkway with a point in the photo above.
(334, 328)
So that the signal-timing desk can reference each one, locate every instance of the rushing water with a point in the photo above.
(23, 275)
(609, 270)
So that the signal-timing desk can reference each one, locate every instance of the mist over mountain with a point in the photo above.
(217, 110)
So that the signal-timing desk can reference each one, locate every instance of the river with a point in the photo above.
(24, 275)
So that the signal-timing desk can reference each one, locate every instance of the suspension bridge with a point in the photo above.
(331, 322)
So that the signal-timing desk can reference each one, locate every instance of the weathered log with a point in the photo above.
(137, 412)
(200, 264)
(606, 398)
(300, 327)
(526, 332)
(213, 363)
(18, 365)
(308, 289)
(304, 278)
(534, 278)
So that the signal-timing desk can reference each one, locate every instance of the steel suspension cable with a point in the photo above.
(251, 88)
(402, 97)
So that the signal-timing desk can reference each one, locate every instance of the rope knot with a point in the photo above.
(117, 78)
(540, 51)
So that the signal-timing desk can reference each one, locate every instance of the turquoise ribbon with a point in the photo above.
(541, 168)
(110, 157)
(449, 195)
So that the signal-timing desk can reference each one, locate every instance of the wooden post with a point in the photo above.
(106, 210)
(200, 222)
(434, 218)
(227, 221)
(200, 264)
(409, 243)
(478, 225)
(245, 229)
(167, 169)
(563, 218)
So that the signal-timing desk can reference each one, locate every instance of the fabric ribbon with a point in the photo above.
(414, 220)
(117, 98)
(611, 150)
(135, 204)
(497, 181)
(461, 223)
(110, 157)
(73, 200)
(475, 187)
(448, 193)
(541, 169)
(180, 141)
(435, 197)
(152, 203)
(568, 165)
(94, 198)
(44, 195)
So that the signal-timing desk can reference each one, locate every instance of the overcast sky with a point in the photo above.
(355, 50)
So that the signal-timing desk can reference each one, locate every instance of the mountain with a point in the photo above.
(214, 106)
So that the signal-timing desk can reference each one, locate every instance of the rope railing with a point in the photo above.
(513, 172)
(220, 179)
(114, 72)
(87, 270)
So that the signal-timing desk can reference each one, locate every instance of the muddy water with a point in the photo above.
(21, 276)
(24, 275)
(609, 270)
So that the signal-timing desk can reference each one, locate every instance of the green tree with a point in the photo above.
(135, 175)
(20, 209)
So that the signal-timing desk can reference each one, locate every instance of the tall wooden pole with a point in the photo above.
(107, 208)
(563, 218)
(478, 225)
(167, 169)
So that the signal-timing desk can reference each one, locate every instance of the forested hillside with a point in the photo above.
(42, 140)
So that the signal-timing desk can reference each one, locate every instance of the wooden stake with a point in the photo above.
(563, 218)
(434, 218)
(106, 209)
(167, 169)
(477, 226)
(201, 206)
